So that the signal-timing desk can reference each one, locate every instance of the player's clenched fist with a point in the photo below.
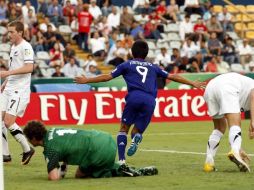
(4, 74)
(80, 80)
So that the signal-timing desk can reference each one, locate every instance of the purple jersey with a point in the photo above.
(140, 75)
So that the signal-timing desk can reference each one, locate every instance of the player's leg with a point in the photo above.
(122, 142)
(220, 125)
(235, 140)
(81, 174)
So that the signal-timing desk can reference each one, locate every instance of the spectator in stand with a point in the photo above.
(44, 25)
(245, 52)
(212, 65)
(151, 31)
(57, 72)
(42, 7)
(84, 21)
(142, 18)
(13, 15)
(117, 54)
(79, 7)
(223, 66)
(102, 26)
(30, 19)
(94, 10)
(56, 56)
(105, 6)
(195, 63)
(192, 7)
(55, 13)
(204, 4)
(208, 13)
(229, 52)
(185, 28)
(173, 12)
(200, 30)
(163, 58)
(176, 57)
(71, 69)
(16, 6)
(137, 31)
(3, 12)
(214, 45)
(226, 19)
(68, 12)
(68, 52)
(141, 6)
(189, 48)
(205, 51)
(126, 19)
(161, 11)
(39, 43)
(25, 8)
(90, 67)
(127, 41)
(113, 20)
(75, 29)
(98, 45)
(213, 25)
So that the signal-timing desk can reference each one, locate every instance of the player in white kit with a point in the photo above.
(226, 95)
(15, 90)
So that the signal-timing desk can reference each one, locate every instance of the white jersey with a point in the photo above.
(19, 56)
(228, 93)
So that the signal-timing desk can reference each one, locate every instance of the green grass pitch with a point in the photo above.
(181, 169)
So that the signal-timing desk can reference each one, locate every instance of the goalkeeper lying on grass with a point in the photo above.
(92, 151)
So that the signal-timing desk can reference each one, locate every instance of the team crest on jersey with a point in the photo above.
(27, 51)
(16, 53)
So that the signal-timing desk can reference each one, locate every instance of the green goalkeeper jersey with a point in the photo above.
(89, 149)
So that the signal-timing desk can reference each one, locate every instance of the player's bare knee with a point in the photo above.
(124, 128)
(8, 122)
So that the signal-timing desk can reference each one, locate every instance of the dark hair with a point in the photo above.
(35, 129)
(19, 26)
(140, 49)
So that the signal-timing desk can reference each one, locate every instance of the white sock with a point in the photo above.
(235, 138)
(5, 145)
(17, 133)
(212, 145)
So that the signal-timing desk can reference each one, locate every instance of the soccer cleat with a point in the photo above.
(127, 171)
(121, 162)
(134, 144)
(209, 168)
(149, 170)
(236, 158)
(6, 158)
(27, 156)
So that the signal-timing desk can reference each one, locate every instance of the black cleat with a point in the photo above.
(147, 171)
(127, 171)
(6, 158)
(27, 156)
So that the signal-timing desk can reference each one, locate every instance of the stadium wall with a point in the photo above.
(106, 107)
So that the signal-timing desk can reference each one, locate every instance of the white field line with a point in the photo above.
(173, 134)
(182, 152)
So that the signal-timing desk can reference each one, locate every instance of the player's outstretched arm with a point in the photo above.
(180, 79)
(251, 128)
(100, 78)
(27, 68)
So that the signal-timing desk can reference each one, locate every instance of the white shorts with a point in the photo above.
(221, 100)
(14, 103)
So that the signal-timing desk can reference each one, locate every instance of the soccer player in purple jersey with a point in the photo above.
(140, 77)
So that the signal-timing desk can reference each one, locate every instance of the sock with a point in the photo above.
(17, 133)
(212, 145)
(235, 138)
(121, 144)
(5, 140)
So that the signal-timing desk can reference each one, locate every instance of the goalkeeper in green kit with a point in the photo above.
(92, 151)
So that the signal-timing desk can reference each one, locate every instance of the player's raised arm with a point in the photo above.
(180, 79)
(100, 78)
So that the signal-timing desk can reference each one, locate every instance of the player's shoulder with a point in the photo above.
(25, 44)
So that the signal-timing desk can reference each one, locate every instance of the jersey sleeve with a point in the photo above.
(52, 159)
(160, 72)
(119, 70)
(28, 54)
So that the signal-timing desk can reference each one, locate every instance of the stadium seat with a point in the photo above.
(232, 9)
(173, 37)
(42, 55)
(164, 36)
(5, 47)
(249, 35)
(3, 30)
(41, 64)
(240, 27)
(250, 8)
(251, 26)
(244, 18)
(233, 35)
(194, 18)
(236, 67)
(172, 27)
(241, 8)
(162, 45)
(151, 45)
(175, 44)
(66, 31)
(5, 55)
(151, 54)
(217, 8)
